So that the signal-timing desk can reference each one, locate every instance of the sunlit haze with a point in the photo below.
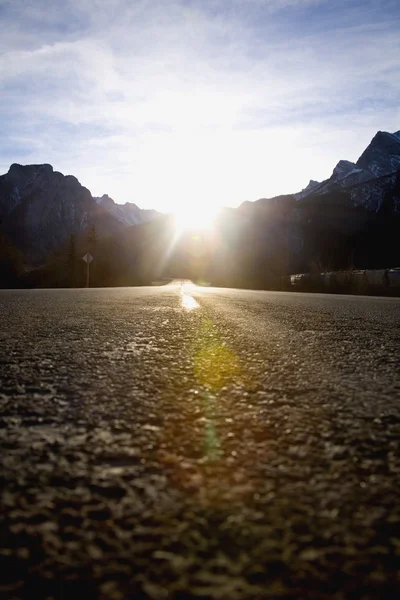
(196, 103)
(198, 218)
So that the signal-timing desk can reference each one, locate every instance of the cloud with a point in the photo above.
(166, 103)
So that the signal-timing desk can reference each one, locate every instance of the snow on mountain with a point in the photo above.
(382, 155)
(371, 194)
(396, 135)
(381, 158)
(347, 173)
(344, 175)
(307, 190)
(343, 169)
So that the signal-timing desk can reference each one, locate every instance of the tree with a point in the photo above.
(71, 262)
(92, 249)
(92, 240)
(11, 265)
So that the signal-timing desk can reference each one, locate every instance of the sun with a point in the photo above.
(195, 219)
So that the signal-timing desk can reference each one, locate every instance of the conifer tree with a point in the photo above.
(71, 262)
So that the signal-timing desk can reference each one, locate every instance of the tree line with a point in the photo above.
(253, 246)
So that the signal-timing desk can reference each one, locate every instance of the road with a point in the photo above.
(196, 442)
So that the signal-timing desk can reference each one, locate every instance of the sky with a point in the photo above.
(172, 104)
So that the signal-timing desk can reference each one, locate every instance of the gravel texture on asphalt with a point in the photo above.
(168, 443)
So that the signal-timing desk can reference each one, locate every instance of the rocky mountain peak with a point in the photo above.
(128, 213)
(382, 155)
(16, 168)
(343, 169)
(307, 190)
(311, 184)
(104, 200)
(20, 175)
(40, 207)
(381, 159)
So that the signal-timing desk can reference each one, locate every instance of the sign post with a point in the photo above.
(88, 259)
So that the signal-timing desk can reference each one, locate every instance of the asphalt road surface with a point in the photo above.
(169, 443)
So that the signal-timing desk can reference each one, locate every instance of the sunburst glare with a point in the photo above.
(189, 219)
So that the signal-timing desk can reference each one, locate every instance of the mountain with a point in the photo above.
(307, 190)
(352, 219)
(40, 208)
(369, 179)
(382, 156)
(128, 213)
(344, 175)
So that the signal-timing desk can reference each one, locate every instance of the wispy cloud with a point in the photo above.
(209, 101)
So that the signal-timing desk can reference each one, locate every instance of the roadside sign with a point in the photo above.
(87, 258)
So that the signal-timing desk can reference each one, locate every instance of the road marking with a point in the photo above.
(188, 302)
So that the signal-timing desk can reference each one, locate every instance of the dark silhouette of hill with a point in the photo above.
(40, 208)
(351, 220)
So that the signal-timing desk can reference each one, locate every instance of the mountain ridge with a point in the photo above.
(381, 158)
(40, 207)
(128, 213)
